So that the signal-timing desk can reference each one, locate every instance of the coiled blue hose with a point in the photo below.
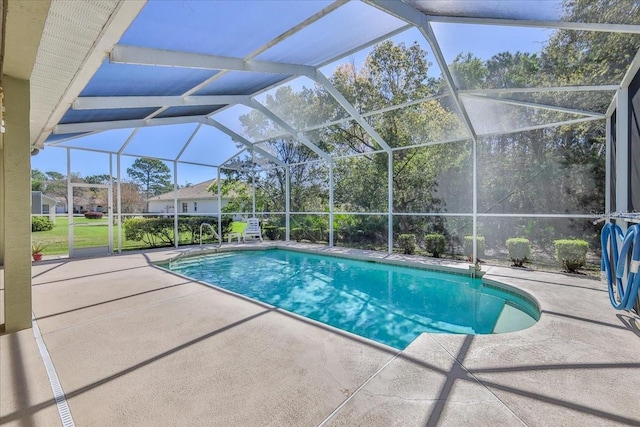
(613, 233)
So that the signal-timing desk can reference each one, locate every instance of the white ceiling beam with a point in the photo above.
(62, 140)
(541, 126)
(118, 23)
(405, 104)
(115, 102)
(632, 71)
(582, 88)
(413, 16)
(237, 137)
(122, 54)
(186, 144)
(338, 96)
(536, 105)
(293, 132)
(233, 157)
(128, 140)
(301, 26)
(122, 124)
(560, 25)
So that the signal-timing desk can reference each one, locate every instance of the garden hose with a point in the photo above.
(612, 233)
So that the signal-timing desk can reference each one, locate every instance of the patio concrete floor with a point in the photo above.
(134, 345)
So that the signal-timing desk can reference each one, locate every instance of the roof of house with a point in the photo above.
(195, 191)
(44, 197)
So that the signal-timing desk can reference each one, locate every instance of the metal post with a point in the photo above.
(69, 203)
(390, 203)
(119, 201)
(253, 189)
(176, 236)
(331, 203)
(110, 204)
(622, 154)
(607, 173)
(287, 202)
(475, 201)
(219, 207)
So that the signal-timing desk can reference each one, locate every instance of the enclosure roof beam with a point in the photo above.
(186, 144)
(560, 25)
(116, 102)
(626, 81)
(72, 137)
(412, 15)
(543, 126)
(122, 54)
(293, 132)
(122, 124)
(537, 106)
(128, 140)
(231, 158)
(543, 89)
(216, 124)
(301, 26)
(324, 81)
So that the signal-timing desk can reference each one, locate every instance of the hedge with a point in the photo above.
(408, 243)
(571, 253)
(93, 215)
(157, 232)
(434, 243)
(41, 223)
(519, 250)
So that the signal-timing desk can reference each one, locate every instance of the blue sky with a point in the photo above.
(482, 40)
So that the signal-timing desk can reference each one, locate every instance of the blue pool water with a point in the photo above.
(388, 304)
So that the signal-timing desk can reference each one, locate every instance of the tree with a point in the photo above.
(130, 199)
(38, 179)
(152, 175)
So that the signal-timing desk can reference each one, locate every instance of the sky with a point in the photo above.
(483, 41)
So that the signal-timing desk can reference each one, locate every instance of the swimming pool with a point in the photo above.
(385, 303)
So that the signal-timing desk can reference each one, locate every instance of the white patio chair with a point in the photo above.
(253, 229)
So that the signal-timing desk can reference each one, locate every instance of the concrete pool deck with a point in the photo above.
(135, 345)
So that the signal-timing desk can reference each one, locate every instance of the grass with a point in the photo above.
(86, 236)
(97, 234)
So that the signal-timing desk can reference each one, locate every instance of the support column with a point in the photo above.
(287, 203)
(219, 183)
(16, 200)
(331, 203)
(622, 154)
(176, 235)
(390, 203)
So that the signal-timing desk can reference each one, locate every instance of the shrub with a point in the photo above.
(273, 232)
(572, 254)
(468, 246)
(191, 225)
(434, 243)
(519, 250)
(152, 231)
(93, 215)
(296, 233)
(408, 243)
(41, 223)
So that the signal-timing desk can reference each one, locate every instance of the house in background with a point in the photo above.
(193, 199)
(42, 204)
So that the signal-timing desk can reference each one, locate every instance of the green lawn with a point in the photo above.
(84, 236)
(56, 240)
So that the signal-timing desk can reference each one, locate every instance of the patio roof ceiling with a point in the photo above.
(191, 69)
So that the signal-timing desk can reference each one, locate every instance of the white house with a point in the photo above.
(42, 204)
(194, 199)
